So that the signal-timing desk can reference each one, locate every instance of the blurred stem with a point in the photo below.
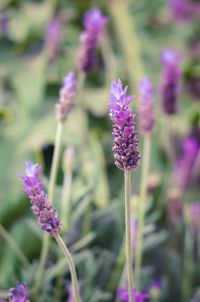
(55, 162)
(66, 191)
(51, 190)
(125, 28)
(188, 264)
(82, 114)
(110, 70)
(14, 246)
(142, 206)
(71, 267)
(129, 269)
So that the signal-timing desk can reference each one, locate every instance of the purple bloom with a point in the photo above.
(52, 38)
(138, 296)
(146, 108)
(170, 86)
(48, 218)
(94, 23)
(19, 293)
(184, 10)
(186, 162)
(155, 289)
(67, 93)
(125, 148)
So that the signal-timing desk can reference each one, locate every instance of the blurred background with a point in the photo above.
(39, 44)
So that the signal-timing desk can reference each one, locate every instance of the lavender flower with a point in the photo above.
(145, 113)
(19, 293)
(52, 38)
(48, 218)
(155, 289)
(125, 148)
(170, 86)
(184, 10)
(138, 296)
(186, 162)
(94, 23)
(67, 93)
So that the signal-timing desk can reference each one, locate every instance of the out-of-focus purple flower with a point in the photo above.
(155, 289)
(146, 108)
(4, 22)
(94, 23)
(52, 38)
(125, 148)
(71, 292)
(170, 86)
(185, 163)
(184, 10)
(19, 293)
(138, 296)
(195, 215)
(67, 93)
(47, 216)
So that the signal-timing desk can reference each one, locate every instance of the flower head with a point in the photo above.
(19, 293)
(184, 10)
(47, 216)
(52, 37)
(67, 93)
(125, 148)
(145, 113)
(138, 296)
(94, 23)
(170, 86)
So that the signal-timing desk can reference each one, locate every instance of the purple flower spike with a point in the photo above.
(94, 23)
(146, 108)
(170, 86)
(125, 148)
(186, 162)
(52, 37)
(67, 93)
(48, 218)
(19, 293)
(138, 296)
(184, 10)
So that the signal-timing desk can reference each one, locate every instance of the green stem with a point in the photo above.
(188, 265)
(71, 267)
(14, 246)
(142, 204)
(129, 269)
(51, 190)
(119, 10)
(66, 190)
(55, 162)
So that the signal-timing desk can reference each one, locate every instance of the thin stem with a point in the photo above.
(142, 205)
(66, 191)
(55, 162)
(14, 246)
(51, 190)
(71, 267)
(129, 269)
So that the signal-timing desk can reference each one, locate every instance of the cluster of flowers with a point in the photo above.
(19, 293)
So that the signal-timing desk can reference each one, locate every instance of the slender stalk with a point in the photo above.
(71, 267)
(51, 190)
(65, 200)
(129, 269)
(142, 204)
(55, 162)
(14, 246)
(188, 264)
